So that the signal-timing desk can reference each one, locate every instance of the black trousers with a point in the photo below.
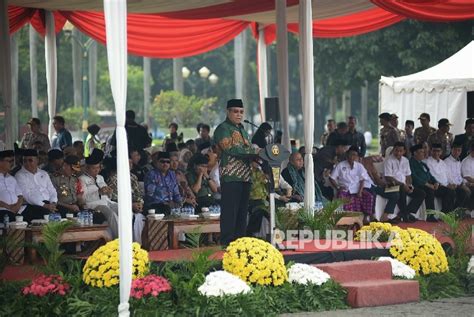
(417, 197)
(392, 198)
(29, 213)
(234, 209)
(446, 194)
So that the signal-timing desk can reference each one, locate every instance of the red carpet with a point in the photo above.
(369, 283)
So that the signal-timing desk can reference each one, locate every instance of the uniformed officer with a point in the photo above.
(235, 171)
(443, 137)
(394, 123)
(422, 133)
(388, 134)
(67, 185)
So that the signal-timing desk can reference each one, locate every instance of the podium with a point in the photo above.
(274, 155)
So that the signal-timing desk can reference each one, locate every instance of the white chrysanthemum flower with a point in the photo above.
(306, 274)
(222, 283)
(399, 269)
(470, 266)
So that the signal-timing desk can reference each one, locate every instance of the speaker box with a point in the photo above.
(470, 104)
(272, 110)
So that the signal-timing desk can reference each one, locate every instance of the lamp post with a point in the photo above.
(193, 80)
(85, 46)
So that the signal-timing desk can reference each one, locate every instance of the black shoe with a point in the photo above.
(408, 219)
(431, 218)
(394, 221)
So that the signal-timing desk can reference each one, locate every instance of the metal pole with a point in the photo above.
(85, 93)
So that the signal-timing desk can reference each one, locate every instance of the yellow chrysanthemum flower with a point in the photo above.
(255, 261)
(102, 267)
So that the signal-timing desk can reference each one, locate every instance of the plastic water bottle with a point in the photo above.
(90, 218)
(6, 221)
(80, 218)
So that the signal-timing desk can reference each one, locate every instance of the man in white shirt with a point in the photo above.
(11, 198)
(467, 168)
(96, 191)
(397, 173)
(36, 186)
(352, 181)
(439, 171)
(455, 179)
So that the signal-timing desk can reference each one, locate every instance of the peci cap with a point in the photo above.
(6, 153)
(93, 129)
(29, 152)
(235, 103)
(424, 115)
(436, 146)
(163, 155)
(415, 148)
(95, 157)
(55, 154)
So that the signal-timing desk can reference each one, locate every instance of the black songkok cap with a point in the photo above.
(235, 103)
(30, 152)
(163, 155)
(415, 148)
(436, 146)
(55, 154)
(95, 158)
(93, 129)
(6, 153)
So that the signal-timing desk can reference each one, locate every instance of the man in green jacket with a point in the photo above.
(422, 179)
(236, 154)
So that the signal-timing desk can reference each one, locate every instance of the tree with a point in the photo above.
(73, 117)
(171, 106)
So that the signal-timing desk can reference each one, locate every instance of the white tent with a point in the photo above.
(440, 91)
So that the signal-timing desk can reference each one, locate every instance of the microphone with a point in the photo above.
(251, 123)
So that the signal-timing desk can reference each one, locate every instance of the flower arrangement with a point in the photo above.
(306, 274)
(222, 283)
(47, 284)
(102, 267)
(399, 269)
(470, 265)
(414, 247)
(151, 285)
(255, 261)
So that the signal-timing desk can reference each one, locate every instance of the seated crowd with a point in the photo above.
(40, 177)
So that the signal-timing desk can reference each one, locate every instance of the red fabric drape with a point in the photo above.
(430, 10)
(155, 36)
(228, 9)
(19, 16)
(348, 25)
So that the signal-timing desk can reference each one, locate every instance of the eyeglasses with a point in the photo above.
(236, 111)
(164, 161)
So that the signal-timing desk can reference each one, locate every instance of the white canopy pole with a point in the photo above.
(6, 74)
(33, 72)
(282, 69)
(51, 69)
(262, 70)
(115, 12)
(307, 95)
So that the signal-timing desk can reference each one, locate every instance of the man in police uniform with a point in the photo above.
(422, 133)
(443, 137)
(67, 184)
(388, 134)
(235, 172)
